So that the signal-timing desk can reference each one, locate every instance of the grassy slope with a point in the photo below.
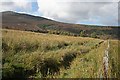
(59, 56)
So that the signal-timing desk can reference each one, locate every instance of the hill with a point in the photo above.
(25, 22)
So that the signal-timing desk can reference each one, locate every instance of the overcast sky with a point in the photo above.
(98, 12)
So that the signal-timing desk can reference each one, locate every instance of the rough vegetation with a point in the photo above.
(38, 55)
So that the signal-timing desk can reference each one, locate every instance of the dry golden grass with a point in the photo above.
(31, 51)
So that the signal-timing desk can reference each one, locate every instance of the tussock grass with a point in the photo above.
(47, 55)
(114, 58)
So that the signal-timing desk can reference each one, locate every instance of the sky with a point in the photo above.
(93, 12)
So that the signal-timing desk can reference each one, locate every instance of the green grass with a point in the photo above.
(37, 55)
(114, 58)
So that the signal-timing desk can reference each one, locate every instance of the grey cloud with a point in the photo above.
(75, 12)
(14, 5)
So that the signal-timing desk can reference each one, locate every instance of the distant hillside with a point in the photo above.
(17, 21)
